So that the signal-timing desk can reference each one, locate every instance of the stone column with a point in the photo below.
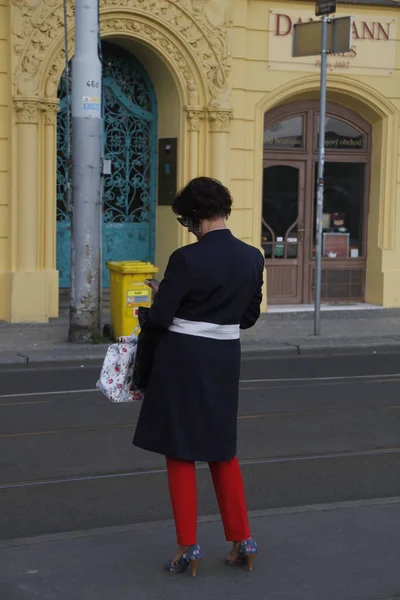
(29, 282)
(50, 185)
(194, 116)
(27, 120)
(193, 119)
(219, 121)
(50, 205)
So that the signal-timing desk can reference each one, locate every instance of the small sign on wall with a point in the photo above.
(91, 103)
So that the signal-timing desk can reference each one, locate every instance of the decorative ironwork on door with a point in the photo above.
(63, 247)
(130, 143)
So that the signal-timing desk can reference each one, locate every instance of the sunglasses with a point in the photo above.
(184, 221)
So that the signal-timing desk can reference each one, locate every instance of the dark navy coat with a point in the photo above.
(190, 406)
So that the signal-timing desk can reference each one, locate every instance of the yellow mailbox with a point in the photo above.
(128, 291)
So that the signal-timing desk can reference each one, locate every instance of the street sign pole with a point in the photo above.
(320, 178)
(313, 39)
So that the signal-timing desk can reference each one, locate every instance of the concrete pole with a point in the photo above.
(86, 175)
(320, 178)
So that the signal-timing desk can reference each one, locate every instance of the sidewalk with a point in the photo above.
(345, 330)
(346, 551)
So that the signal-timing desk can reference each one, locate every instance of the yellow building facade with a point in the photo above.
(229, 102)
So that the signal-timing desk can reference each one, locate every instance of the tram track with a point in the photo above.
(272, 414)
(243, 462)
(244, 385)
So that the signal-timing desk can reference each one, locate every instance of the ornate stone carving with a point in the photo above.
(220, 91)
(27, 76)
(194, 116)
(138, 29)
(220, 12)
(190, 19)
(144, 30)
(220, 120)
(50, 113)
(193, 96)
(27, 111)
(56, 68)
(200, 24)
(36, 24)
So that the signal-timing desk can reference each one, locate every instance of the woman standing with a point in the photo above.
(210, 291)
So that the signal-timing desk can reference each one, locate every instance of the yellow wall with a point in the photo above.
(214, 81)
(5, 221)
(256, 88)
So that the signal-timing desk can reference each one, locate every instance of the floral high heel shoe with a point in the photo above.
(191, 556)
(243, 552)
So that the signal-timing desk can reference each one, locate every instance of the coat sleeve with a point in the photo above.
(172, 289)
(252, 313)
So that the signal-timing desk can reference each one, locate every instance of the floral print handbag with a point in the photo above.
(115, 380)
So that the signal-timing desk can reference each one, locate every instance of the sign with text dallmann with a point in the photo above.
(325, 7)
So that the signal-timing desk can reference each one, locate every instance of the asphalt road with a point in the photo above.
(311, 430)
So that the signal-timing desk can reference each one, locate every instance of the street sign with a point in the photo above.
(342, 35)
(307, 37)
(325, 7)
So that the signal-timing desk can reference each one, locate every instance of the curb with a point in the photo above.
(50, 359)
(169, 523)
(306, 349)
(249, 352)
(13, 360)
(363, 348)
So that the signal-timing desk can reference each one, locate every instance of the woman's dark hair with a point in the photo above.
(203, 198)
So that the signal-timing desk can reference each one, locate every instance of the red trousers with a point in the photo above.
(228, 484)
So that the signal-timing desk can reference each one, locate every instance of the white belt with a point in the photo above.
(207, 330)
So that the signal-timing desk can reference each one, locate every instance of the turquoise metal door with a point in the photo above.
(130, 143)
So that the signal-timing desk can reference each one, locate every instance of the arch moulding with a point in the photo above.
(193, 45)
(370, 104)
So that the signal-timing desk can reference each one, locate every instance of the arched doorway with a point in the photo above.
(130, 143)
(289, 199)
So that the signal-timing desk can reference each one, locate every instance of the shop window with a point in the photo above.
(339, 135)
(343, 219)
(286, 135)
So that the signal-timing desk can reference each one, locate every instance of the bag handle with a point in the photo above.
(123, 339)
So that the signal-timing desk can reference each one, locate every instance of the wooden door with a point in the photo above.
(283, 230)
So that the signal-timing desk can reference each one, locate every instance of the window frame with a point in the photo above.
(309, 111)
(287, 148)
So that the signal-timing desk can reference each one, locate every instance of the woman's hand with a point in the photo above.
(154, 285)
